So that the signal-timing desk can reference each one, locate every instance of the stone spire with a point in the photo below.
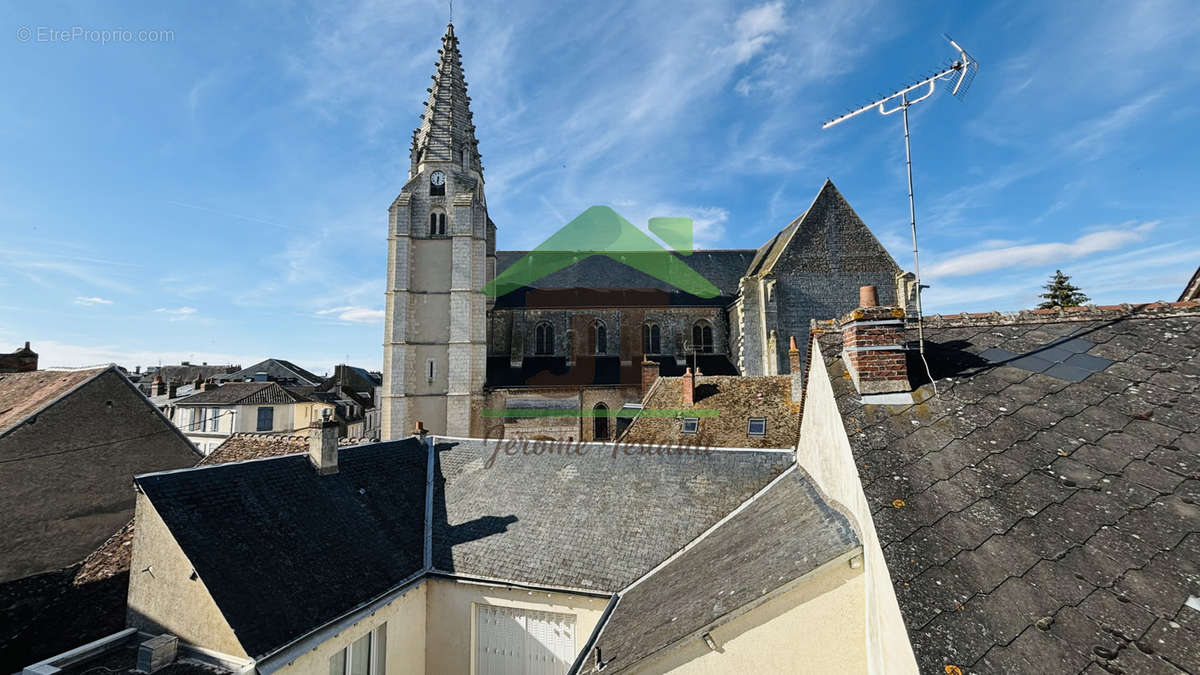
(447, 132)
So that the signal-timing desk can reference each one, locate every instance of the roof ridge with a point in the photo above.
(1081, 313)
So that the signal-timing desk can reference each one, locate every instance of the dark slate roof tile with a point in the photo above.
(1078, 494)
(499, 523)
(758, 550)
(260, 534)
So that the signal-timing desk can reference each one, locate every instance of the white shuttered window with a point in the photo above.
(512, 641)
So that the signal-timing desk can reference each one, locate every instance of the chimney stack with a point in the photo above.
(210, 384)
(688, 383)
(172, 389)
(419, 430)
(158, 387)
(650, 371)
(794, 368)
(873, 346)
(323, 446)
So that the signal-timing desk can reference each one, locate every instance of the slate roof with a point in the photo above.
(276, 369)
(1046, 515)
(592, 279)
(322, 545)
(25, 394)
(246, 393)
(783, 533)
(282, 549)
(592, 522)
(735, 399)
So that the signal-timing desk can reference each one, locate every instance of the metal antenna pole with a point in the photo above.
(912, 217)
(963, 72)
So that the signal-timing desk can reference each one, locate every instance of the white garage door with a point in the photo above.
(523, 642)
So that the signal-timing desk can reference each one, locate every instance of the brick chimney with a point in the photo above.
(794, 369)
(158, 387)
(172, 389)
(650, 371)
(873, 346)
(419, 430)
(688, 384)
(323, 446)
(210, 384)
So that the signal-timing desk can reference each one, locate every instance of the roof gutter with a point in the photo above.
(591, 641)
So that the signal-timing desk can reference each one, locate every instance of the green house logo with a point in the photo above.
(602, 231)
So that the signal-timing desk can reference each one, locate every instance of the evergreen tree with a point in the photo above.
(1060, 292)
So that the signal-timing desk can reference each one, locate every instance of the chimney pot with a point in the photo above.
(323, 447)
(867, 297)
(419, 430)
(795, 370)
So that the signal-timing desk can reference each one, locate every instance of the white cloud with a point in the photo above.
(352, 314)
(1048, 253)
(177, 313)
(88, 302)
(755, 28)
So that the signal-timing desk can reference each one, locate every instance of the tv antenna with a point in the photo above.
(962, 73)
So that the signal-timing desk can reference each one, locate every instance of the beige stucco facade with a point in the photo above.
(450, 620)
(197, 424)
(405, 620)
(816, 626)
(162, 595)
(824, 452)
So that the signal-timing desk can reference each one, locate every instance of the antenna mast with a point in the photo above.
(962, 71)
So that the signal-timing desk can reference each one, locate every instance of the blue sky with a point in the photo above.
(220, 194)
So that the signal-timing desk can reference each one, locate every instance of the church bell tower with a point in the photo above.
(441, 252)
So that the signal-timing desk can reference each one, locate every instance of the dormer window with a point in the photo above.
(437, 224)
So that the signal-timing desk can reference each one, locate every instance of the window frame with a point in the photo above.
(214, 419)
(750, 426)
(258, 421)
(693, 422)
(703, 341)
(599, 338)
(651, 338)
(376, 653)
(543, 339)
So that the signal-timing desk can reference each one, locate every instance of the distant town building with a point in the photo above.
(275, 370)
(183, 373)
(215, 413)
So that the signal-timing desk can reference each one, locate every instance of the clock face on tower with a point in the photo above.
(437, 178)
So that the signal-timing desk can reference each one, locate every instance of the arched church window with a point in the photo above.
(702, 337)
(544, 339)
(651, 338)
(601, 337)
(437, 224)
(600, 422)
